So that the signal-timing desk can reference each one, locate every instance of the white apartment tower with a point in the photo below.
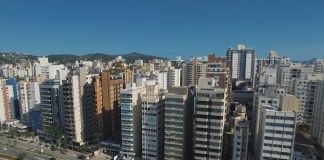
(44, 70)
(131, 121)
(72, 111)
(162, 80)
(269, 95)
(152, 123)
(174, 77)
(275, 138)
(210, 114)
(241, 61)
(29, 99)
(287, 75)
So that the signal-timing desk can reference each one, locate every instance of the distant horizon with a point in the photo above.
(161, 56)
(294, 28)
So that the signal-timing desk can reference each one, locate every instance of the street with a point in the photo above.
(16, 148)
(12, 152)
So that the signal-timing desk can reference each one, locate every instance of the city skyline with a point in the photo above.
(132, 80)
(292, 28)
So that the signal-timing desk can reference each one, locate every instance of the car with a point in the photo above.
(80, 156)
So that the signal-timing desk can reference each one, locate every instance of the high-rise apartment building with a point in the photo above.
(162, 80)
(241, 134)
(275, 138)
(221, 75)
(274, 123)
(112, 85)
(44, 70)
(51, 116)
(152, 122)
(318, 115)
(6, 101)
(131, 121)
(210, 112)
(70, 101)
(286, 76)
(318, 65)
(89, 109)
(192, 71)
(98, 122)
(268, 95)
(268, 76)
(16, 111)
(29, 100)
(241, 61)
(178, 122)
(304, 88)
(174, 77)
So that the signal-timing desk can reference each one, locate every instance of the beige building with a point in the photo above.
(209, 121)
(192, 71)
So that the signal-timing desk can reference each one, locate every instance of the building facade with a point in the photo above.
(241, 61)
(178, 132)
(318, 121)
(192, 71)
(29, 100)
(210, 112)
(50, 109)
(276, 133)
(152, 123)
(131, 122)
(72, 110)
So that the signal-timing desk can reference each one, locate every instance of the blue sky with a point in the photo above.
(164, 28)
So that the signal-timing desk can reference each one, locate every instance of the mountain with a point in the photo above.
(13, 58)
(311, 61)
(130, 58)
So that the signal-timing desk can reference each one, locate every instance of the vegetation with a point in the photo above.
(6, 157)
(21, 156)
(55, 132)
(64, 144)
(83, 149)
(129, 58)
(13, 58)
(303, 128)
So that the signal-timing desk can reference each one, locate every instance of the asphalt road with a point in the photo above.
(16, 147)
(13, 152)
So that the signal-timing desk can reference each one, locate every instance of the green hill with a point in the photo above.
(13, 58)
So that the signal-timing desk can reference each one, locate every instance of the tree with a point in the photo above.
(55, 132)
(64, 144)
(21, 156)
(302, 127)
